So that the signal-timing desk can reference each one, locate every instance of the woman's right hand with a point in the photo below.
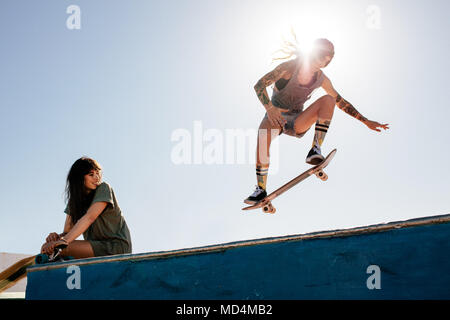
(275, 117)
(52, 237)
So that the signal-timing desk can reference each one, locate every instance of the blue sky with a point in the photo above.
(119, 87)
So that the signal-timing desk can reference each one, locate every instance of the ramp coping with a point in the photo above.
(439, 219)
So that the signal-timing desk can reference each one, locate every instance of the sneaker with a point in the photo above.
(315, 156)
(256, 196)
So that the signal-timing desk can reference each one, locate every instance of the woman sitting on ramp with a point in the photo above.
(92, 210)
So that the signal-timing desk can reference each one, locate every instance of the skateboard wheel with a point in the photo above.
(322, 175)
(269, 209)
(41, 258)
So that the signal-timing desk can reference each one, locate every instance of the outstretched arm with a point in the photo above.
(348, 108)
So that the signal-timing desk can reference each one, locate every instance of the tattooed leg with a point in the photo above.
(318, 112)
(320, 132)
(323, 122)
(261, 175)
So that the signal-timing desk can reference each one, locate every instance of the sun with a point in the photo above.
(308, 22)
(301, 40)
(305, 25)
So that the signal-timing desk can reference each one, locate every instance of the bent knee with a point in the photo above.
(328, 100)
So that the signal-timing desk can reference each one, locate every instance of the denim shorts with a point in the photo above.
(290, 117)
(109, 247)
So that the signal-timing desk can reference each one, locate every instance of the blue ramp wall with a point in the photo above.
(413, 259)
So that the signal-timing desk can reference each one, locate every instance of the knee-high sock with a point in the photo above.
(261, 175)
(320, 131)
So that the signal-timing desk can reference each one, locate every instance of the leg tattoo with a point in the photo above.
(320, 132)
(261, 175)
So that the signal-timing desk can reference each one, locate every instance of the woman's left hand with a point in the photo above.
(375, 125)
(49, 247)
(52, 237)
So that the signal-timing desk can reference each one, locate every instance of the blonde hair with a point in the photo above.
(291, 48)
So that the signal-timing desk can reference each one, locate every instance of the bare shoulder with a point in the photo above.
(283, 70)
(287, 68)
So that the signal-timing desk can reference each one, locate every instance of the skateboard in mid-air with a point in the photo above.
(266, 203)
(18, 270)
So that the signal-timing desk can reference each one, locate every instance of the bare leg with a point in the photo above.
(79, 249)
(321, 109)
(320, 113)
(266, 133)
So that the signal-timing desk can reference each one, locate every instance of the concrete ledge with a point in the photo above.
(326, 258)
(221, 247)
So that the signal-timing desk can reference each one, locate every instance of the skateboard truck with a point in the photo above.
(55, 256)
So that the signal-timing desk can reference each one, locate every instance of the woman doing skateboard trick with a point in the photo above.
(92, 210)
(294, 82)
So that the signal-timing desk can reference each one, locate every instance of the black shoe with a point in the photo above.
(256, 196)
(315, 156)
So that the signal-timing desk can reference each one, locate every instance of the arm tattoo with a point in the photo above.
(268, 79)
(261, 92)
(344, 105)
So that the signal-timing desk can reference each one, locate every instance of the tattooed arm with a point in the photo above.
(284, 70)
(348, 108)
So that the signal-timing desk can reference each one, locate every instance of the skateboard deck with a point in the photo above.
(18, 270)
(266, 203)
(14, 273)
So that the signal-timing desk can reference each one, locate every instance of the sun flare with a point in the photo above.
(303, 27)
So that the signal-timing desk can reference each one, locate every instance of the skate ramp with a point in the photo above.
(398, 260)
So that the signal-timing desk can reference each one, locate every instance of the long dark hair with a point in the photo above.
(77, 196)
